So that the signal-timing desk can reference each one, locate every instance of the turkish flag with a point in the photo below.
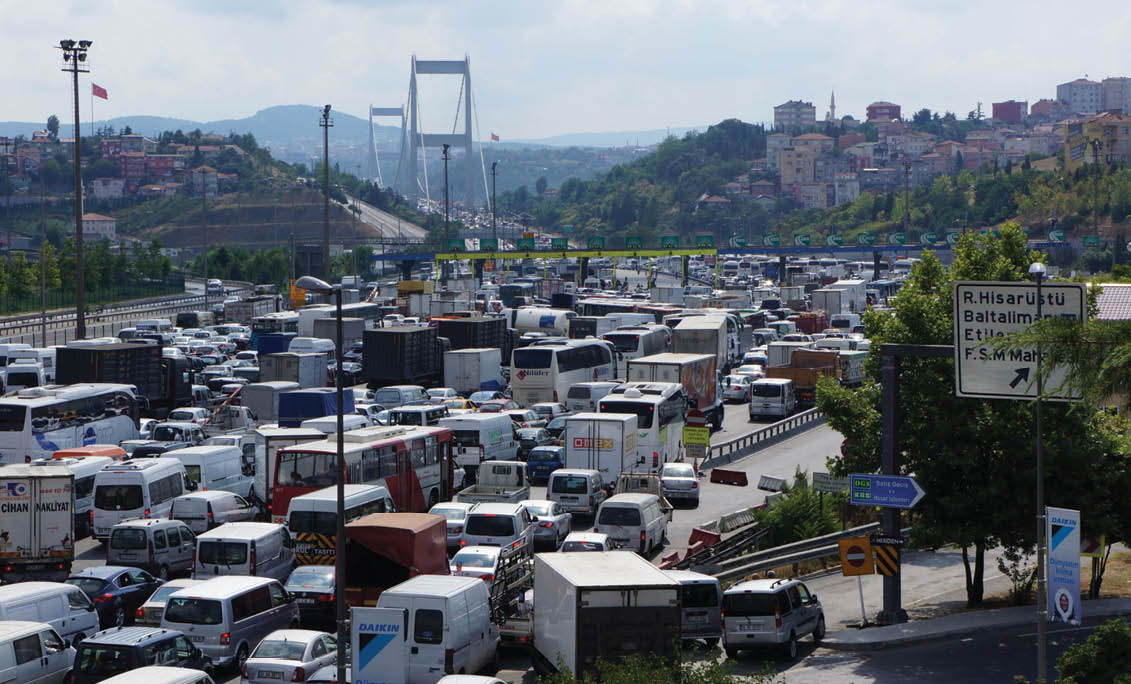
(494, 138)
(97, 91)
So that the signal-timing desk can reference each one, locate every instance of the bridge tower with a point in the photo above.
(418, 139)
(373, 162)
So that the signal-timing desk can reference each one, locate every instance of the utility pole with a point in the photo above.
(74, 61)
(42, 268)
(906, 196)
(326, 123)
(1097, 145)
(204, 228)
(494, 209)
(446, 157)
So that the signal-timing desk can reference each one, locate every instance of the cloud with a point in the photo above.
(540, 69)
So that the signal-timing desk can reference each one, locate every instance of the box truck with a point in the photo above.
(605, 442)
(697, 374)
(307, 369)
(471, 370)
(37, 504)
(263, 398)
(703, 335)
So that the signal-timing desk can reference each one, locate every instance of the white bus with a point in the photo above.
(545, 372)
(659, 408)
(275, 322)
(313, 518)
(42, 420)
(635, 341)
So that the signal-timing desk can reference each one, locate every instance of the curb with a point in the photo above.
(906, 634)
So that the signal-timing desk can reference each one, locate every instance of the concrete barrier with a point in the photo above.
(668, 562)
(707, 537)
(733, 521)
(695, 549)
(730, 477)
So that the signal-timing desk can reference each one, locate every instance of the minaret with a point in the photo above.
(831, 116)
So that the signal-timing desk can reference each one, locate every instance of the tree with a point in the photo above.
(50, 172)
(966, 452)
(1105, 658)
(540, 185)
(53, 127)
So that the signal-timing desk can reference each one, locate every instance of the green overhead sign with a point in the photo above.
(1091, 241)
(801, 240)
(707, 241)
(1056, 236)
(771, 241)
(524, 243)
(865, 238)
(928, 238)
(834, 240)
(736, 241)
(952, 237)
(669, 242)
(559, 243)
(595, 242)
(897, 238)
(634, 242)
(456, 245)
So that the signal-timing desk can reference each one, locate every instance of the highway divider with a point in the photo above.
(744, 445)
(787, 554)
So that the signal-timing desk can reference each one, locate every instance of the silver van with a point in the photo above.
(499, 524)
(161, 674)
(33, 653)
(633, 521)
(579, 491)
(585, 396)
(399, 395)
(160, 546)
(245, 548)
(227, 617)
(63, 606)
(202, 511)
(770, 613)
(702, 606)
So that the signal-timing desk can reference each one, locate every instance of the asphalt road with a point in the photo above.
(387, 224)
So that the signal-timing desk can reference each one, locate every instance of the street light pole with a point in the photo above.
(74, 62)
(326, 123)
(1037, 270)
(446, 156)
(494, 210)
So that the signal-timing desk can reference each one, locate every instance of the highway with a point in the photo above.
(387, 225)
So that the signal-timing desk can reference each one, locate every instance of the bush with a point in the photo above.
(797, 514)
(1105, 658)
(650, 669)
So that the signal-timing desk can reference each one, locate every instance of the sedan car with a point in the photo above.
(496, 405)
(476, 561)
(458, 406)
(588, 541)
(543, 460)
(478, 398)
(750, 369)
(524, 418)
(438, 394)
(680, 483)
(190, 415)
(737, 387)
(554, 523)
(151, 611)
(530, 437)
(454, 512)
(556, 427)
(117, 591)
(313, 589)
(549, 410)
(286, 655)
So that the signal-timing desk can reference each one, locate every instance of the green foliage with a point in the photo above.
(53, 126)
(798, 514)
(1105, 658)
(647, 668)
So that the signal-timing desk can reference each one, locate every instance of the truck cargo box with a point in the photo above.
(299, 405)
(125, 363)
(408, 355)
(473, 332)
(385, 549)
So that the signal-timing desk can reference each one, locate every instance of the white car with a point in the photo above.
(588, 541)
(189, 415)
(438, 394)
(680, 483)
(286, 655)
(476, 561)
(454, 512)
(737, 387)
(750, 369)
(392, 321)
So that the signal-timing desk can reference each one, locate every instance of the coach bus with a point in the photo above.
(42, 420)
(545, 373)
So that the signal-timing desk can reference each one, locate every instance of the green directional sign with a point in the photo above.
(595, 242)
(707, 241)
(834, 240)
(928, 238)
(865, 238)
(1056, 236)
(1091, 240)
(952, 237)
(771, 241)
(567, 228)
(524, 243)
(801, 240)
(736, 241)
(456, 245)
(488, 244)
(559, 243)
(669, 242)
(634, 242)
(897, 238)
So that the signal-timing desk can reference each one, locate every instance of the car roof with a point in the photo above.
(489, 550)
(762, 585)
(497, 508)
(305, 635)
(588, 536)
(131, 635)
(222, 587)
(146, 522)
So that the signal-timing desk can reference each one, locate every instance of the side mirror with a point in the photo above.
(533, 518)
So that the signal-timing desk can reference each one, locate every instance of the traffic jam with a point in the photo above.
(170, 496)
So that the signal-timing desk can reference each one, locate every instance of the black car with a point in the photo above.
(121, 649)
(528, 438)
(556, 427)
(312, 586)
(117, 591)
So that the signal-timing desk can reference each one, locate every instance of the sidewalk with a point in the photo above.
(890, 636)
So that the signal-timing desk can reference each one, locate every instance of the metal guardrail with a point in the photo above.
(768, 434)
(710, 557)
(788, 554)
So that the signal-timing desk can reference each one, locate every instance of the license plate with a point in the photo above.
(697, 619)
(267, 674)
(305, 601)
(197, 639)
(129, 556)
(751, 627)
(569, 498)
(35, 567)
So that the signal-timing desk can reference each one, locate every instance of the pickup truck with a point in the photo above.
(498, 482)
(512, 598)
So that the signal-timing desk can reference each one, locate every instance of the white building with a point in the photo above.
(1082, 95)
(106, 188)
(95, 227)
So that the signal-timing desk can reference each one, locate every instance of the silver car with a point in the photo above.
(554, 522)
(150, 612)
(680, 483)
(770, 613)
(286, 655)
(737, 388)
(476, 561)
(455, 513)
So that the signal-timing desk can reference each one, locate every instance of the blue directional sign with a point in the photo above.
(888, 491)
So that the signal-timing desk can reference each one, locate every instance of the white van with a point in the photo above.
(312, 344)
(313, 518)
(84, 469)
(449, 627)
(633, 521)
(161, 674)
(772, 397)
(245, 548)
(142, 488)
(478, 437)
(499, 524)
(33, 653)
(215, 467)
(160, 325)
(585, 396)
(44, 357)
(63, 606)
(579, 491)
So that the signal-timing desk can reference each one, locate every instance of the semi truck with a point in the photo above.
(160, 381)
(246, 309)
(696, 372)
(405, 355)
(37, 505)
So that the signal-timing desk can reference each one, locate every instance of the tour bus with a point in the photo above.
(42, 420)
(508, 292)
(659, 409)
(545, 373)
(635, 341)
(413, 463)
(275, 322)
(730, 269)
(313, 518)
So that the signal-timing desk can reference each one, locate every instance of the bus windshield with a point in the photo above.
(642, 411)
(533, 358)
(624, 342)
(307, 469)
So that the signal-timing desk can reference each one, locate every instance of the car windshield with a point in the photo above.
(182, 415)
(619, 515)
(582, 546)
(162, 594)
(704, 595)
(490, 408)
(193, 611)
(678, 470)
(569, 484)
(529, 434)
(543, 455)
(532, 358)
(764, 389)
(538, 508)
(167, 433)
(127, 538)
(453, 403)
(310, 579)
(642, 410)
(482, 396)
(282, 650)
(489, 526)
(319, 522)
(117, 497)
(89, 585)
(222, 553)
(474, 559)
(740, 605)
(103, 661)
(557, 423)
(449, 513)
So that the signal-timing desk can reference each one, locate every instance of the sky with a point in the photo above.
(548, 68)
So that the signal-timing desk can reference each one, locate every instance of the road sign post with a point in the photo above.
(856, 559)
(987, 310)
(696, 436)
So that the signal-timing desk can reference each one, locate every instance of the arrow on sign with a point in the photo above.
(888, 491)
(1022, 374)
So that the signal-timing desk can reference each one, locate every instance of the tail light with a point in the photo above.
(211, 517)
(299, 674)
(146, 513)
(193, 565)
(243, 671)
(591, 501)
(27, 459)
(488, 578)
(482, 454)
(103, 598)
(140, 614)
(694, 485)
(643, 540)
(92, 521)
(457, 530)
(462, 542)
(448, 657)
(655, 459)
(777, 617)
(252, 565)
(546, 525)
(226, 639)
(325, 598)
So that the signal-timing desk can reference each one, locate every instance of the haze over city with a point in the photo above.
(541, 70)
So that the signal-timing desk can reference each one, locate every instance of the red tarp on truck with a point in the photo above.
(385, 549)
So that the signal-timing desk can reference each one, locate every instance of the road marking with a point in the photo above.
(951, 591)
(1058, 631)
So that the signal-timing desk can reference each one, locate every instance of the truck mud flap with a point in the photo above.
(730, 477)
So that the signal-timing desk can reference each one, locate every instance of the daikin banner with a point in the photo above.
(1062, 530)
(377, 643)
